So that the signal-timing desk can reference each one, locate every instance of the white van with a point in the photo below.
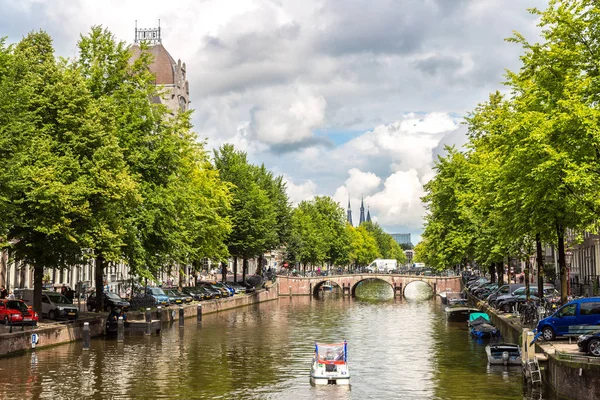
(54, 304)
(383, 265)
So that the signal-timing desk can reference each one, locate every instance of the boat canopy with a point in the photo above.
(331, 353)
(476, 315)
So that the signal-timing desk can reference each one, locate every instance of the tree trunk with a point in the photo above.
(244, 268)
(500, 271)
(560, 233)
(223, 272)
(235, 269)
(99, 283)
(38, 282)
(492, 269)
(540, 264)
(260, 265)
(180, 283)
(527, 278)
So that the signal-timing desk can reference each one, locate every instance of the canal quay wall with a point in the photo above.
(305, 286)
(571, 374)
(56, 333)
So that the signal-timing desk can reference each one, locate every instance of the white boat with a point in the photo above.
(330, 364)
(503, 354)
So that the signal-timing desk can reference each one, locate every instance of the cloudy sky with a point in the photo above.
(346, 98)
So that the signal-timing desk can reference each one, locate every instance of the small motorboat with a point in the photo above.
(459, 313)
(330, 364)
(459, 301)
(481, 326)
(503, 354)
(327, 286)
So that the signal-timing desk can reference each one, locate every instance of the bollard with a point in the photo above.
(148, 322)
(86, 335)
(199, 313)
(530, 347)
(181, 317)
(120, 329)
(159, 313)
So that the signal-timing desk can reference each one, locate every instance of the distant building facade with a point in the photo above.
(170, 76)
(401, 238)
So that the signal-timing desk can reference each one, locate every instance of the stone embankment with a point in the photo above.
(571, 374)
(54, 333)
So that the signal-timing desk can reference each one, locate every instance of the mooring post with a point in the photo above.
(199, 313)
(290, 291)
(181, 317)
(148, 322)
(86, 335)
(310, 289)
(11, 325)
(159, 313)
(120, 329)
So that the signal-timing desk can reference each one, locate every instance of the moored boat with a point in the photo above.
(330, 364)
(481, 326)
(503, 354)
(459, 313)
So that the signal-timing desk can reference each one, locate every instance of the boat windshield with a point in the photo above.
(335, 353)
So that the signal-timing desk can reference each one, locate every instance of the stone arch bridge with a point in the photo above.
(308, 286)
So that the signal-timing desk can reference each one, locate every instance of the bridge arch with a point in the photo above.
(410, 283)
(318, 285)
(366, 279)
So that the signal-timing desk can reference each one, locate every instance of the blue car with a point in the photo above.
(577, 317)
(160, 297)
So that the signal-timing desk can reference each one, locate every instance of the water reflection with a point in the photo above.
(397, 349)
(374, 289)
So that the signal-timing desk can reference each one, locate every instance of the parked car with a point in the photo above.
(111, 300)
(590, 343)
(208, 287)
(219, 285)
(54, 304)
(160, 297)
(237, 287)
(249, 287)
(209, 294)
(501, 291)
(573, 318)
(176, 297)
(17, 312)
(194, 292)
(510, 303)
(506, 302)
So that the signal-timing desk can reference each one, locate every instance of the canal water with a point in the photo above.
(398, 349)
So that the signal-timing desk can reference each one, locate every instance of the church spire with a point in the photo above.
(362, 211)
(368, 215)
(349, 213)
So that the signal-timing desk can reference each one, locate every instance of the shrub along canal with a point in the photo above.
(397, 349)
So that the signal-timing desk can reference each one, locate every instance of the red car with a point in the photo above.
(17, 312)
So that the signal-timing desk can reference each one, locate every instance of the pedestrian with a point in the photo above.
(11, 295)
(3, 293)
(63, 290)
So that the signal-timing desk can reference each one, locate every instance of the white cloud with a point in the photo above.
(303, 191)
(399, 204)
(289, 119)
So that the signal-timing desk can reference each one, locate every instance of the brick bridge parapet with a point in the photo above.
(307, 286)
